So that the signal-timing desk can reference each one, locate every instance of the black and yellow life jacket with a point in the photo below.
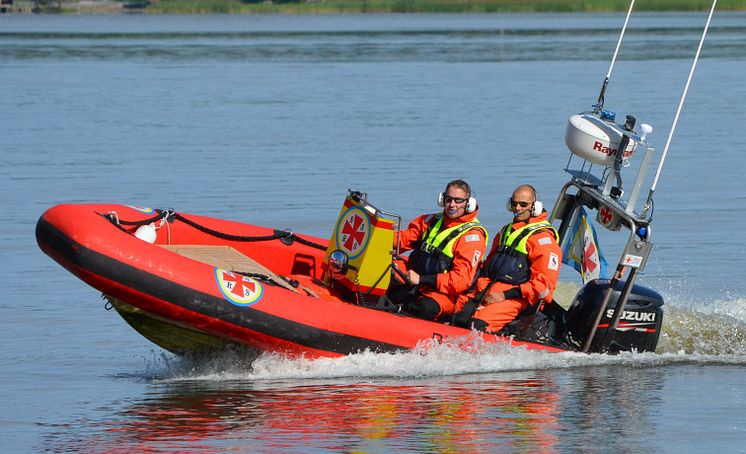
(434, 253)
(510, 263)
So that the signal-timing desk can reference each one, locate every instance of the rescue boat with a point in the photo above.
(196, 284)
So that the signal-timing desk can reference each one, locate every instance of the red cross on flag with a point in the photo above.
(582, 250)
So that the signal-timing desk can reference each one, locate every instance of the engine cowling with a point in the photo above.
(639, 326)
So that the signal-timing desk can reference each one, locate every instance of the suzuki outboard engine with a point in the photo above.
(638, 328)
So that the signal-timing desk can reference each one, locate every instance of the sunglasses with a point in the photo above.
(449, 199)
(514, 203)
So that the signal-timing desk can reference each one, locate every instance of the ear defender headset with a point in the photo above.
(536, 208)
(471, 204)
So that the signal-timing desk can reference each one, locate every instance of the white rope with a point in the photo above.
(683, 97)
(621, 36)
(164, 220)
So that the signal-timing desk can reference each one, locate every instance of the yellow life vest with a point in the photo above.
(509, 263)
(435, 252)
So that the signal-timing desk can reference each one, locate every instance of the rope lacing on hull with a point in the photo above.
(168, 215)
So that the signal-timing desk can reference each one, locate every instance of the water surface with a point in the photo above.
(269, 120)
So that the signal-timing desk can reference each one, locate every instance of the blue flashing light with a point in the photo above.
(608, 115)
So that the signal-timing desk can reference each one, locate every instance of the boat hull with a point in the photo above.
(167, 296)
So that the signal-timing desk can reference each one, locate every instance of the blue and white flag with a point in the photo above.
(583, 251)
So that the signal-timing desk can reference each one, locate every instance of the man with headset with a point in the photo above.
(446, 251)
(520, 271)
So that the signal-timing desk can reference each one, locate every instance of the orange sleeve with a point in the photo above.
(467, 256)
(413, 233)
(545, 257)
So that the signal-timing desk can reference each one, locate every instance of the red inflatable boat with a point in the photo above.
(204, 283)
(194, 284)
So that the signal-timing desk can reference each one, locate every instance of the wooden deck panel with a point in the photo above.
(227, 258)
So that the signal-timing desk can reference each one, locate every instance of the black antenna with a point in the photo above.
(599, 106)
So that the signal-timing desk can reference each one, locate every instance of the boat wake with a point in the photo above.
(702, 332)
(712, 328)
(694, 327)
(713, 334)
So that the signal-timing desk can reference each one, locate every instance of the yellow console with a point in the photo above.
(359, 253)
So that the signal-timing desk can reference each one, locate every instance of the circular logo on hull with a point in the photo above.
(238, 289)
(353, 231)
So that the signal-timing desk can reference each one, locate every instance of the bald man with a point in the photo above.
(520, 271)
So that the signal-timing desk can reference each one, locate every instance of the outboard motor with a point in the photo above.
(638, 328)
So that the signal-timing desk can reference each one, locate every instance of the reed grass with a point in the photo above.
(431, 6)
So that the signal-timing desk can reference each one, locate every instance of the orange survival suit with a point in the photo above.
(541, 256)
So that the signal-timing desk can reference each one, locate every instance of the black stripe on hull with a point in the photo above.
(209, 305)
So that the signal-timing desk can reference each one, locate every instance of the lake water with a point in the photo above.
(269, 120)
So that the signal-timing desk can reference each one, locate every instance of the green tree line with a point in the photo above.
(391, 6)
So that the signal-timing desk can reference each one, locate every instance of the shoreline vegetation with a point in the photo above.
(354, 6)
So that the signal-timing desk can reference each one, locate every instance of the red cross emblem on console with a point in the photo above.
(353, 232)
